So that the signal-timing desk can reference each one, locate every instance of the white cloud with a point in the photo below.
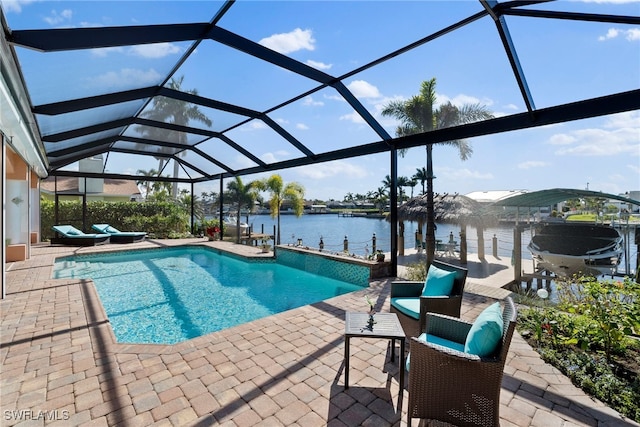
(634, 168)
(14, 5)
(462, 174)
(562, 139)
(242, 162)
(353, 117)
(601, 142)
(363, 89)
(629, 119)
(104, 51)
(631, 35)
(334, 97)
(302, 126)
(57, 18)
(310, 102)
(341, 168)
(155, 50)
(462, 99)
(533, 164)
(319, 65)
(284, 43)
(129, 77)
(274, 157)
(253, 125)
(617, 136)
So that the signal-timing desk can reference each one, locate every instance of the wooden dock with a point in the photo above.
(254, 238)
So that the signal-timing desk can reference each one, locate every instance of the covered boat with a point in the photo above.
(576, 248)
(231, 225)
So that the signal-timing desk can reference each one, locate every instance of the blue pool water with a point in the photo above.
(169, 295)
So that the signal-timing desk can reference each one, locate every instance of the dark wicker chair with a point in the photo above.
(449, 305)
(453, 386)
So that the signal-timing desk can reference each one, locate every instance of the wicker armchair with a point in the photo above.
(454, 386)
(449, 305)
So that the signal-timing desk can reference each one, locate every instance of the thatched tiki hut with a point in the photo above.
(452, 209)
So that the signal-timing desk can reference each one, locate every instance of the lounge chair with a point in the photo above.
(118, 236)
(69, 235)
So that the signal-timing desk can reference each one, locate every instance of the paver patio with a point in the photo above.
(61, 366)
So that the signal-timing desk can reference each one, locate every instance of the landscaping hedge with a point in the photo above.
(159, 219)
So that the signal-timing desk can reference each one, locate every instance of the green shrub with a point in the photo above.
(159, 219)
(609, 311)
(417, 272)
(591, 336)
(596, 377)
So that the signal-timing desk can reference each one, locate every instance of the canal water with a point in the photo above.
(359, 232)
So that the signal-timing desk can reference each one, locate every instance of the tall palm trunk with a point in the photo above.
(430, 238)
(174, 185)
(238, 221)
(278, 236)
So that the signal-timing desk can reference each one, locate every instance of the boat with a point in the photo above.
(231, 225)
(568, 248)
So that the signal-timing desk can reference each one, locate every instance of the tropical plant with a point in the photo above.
(610, 308)
(279, 192)
(146, 183)
(419, 114)
(412, 183)
(421, 175)
(177, 112)
(185, 200)
(402, 182)
(243, 196)
(380, 198)
(590, 335)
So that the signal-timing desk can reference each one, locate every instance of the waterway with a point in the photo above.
(359, 231)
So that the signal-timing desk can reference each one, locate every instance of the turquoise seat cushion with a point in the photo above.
(439, 282)
(486, 332)
(408, 305)
(433, 339)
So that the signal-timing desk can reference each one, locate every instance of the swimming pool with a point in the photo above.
(164, 296)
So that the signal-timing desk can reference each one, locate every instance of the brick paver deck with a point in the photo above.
(61, 365)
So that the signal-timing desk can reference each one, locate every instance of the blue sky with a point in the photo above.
(563, 62)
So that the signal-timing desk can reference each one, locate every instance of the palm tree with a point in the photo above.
(412, 183)
(176, 112)
(280, 192)
(421, 175)
(244, 195)
(145, 182)
(402, 182)
(387, 182)
(418, 115)
(380, 198)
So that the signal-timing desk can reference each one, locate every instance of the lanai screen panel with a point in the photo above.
(257, 78)
(324, 121)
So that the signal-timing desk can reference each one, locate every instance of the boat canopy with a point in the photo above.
(556, 195)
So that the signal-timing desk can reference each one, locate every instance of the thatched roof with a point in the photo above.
(453, 209)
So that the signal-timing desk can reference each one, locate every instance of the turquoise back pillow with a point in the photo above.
(439, 282)
(486, 332)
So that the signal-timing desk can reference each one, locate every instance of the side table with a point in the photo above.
(386, 326)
